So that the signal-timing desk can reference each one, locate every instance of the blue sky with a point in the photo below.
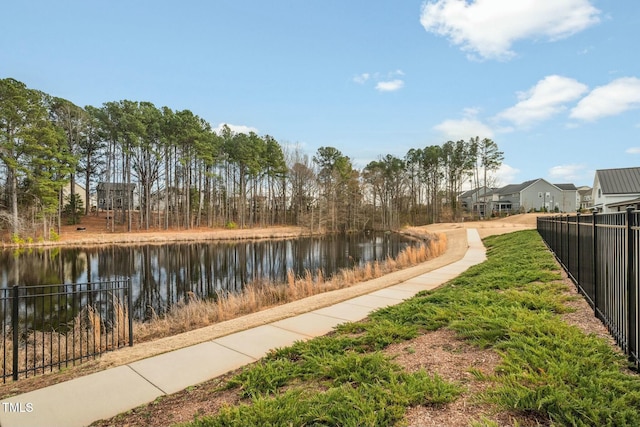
(555, 83)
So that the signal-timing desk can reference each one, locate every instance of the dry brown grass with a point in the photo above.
(88, 335)
(88, 328)
(196, 312)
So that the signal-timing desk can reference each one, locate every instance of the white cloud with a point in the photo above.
(390, 86)
(633, 150)
(506, 175)
(362, 78)
(547, 98)
(614, 98)
(235, 128)
(567, 173)
(455, 130)
(390, 83)
(489, 28)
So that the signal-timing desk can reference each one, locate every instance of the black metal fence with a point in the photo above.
(601, 254)
(49, 327)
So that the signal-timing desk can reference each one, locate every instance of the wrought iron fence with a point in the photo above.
(48, 327)
(601, 254)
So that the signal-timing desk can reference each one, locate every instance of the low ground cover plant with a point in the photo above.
(550, 373)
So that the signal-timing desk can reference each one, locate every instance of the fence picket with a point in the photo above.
(53, 326)
(608, 277)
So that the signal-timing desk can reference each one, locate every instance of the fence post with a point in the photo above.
(15, 324)
(595, 264)
(568, 254)
(558, 242)
(130, 309)
(577, 266)
(631, 291)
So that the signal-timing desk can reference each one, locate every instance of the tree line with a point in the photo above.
(177, 172)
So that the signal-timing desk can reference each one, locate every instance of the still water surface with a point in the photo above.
(163, 274)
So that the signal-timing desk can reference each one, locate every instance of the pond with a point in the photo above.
(163, 274)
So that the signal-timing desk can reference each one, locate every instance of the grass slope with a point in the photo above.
(550, 371)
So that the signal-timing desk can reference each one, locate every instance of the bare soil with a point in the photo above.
(439, 352)
(95, 230)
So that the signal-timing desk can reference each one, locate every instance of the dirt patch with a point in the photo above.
(492, 227)
(204, 399)
(443, 354)
(94, 231)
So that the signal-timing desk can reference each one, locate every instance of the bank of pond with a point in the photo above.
(164, 274)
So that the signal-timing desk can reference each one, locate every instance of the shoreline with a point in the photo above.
(93, 233)
(89, 238)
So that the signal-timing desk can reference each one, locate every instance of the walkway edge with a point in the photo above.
(83, 400)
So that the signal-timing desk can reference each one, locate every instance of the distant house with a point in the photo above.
(79, 191)
(114, 195)
(571, 198)
(533, 195)
(537, 194)
(474, 200)
(615, 189)
(174, 196)
(585, 195)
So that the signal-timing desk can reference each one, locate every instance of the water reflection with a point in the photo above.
(164, 274)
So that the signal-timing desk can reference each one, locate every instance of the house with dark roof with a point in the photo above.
(615, 189)
(474, 200)
(534, 195)
(115, 195)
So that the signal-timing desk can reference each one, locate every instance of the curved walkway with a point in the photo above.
(81, 401)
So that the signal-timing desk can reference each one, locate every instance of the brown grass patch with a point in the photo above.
(196, 312)
(88, 335)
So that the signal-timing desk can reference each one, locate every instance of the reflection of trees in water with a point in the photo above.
(58, 307)
(162, 275)
(149, 301)
(28, 267)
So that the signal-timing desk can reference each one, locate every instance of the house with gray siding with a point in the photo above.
(115, 195)
(474, 200)
(615, 189)
(536, 195)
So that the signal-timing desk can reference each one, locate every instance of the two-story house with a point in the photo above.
(585, 194)
(475, 200)
(536, 195)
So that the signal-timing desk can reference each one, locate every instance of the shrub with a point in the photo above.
(53, 236)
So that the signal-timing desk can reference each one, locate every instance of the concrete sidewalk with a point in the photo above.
(83, 400)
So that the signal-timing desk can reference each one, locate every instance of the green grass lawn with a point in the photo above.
(510, 303)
